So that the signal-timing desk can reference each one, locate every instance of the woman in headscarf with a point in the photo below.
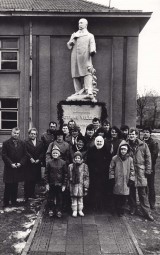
(98, 160)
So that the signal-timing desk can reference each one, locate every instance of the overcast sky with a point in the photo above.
(149, 42)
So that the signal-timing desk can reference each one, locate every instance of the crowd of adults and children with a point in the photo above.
(107, 168)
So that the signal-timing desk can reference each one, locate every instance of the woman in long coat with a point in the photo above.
(98, 160)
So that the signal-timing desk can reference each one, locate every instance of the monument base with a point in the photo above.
(81, 112)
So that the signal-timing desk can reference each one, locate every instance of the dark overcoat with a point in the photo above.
(10, 155)
(33, 171)
(98, 161)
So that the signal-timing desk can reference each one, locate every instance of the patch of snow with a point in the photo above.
(31, 216)
(156, 231)
(19, 247)
(13, 209)
(29, 224)
(20, 199)
(21, 234)
(143, 244)
(138, 219)
(144, 230)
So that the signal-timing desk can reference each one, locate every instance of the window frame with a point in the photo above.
(15, 110)
(6, 50)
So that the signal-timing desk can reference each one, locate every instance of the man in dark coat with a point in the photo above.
(35, 155)
(14, 157)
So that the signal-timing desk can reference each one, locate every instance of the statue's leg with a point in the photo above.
(88, 84)
(77, 84)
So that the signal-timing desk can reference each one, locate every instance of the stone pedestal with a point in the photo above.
(81, 112)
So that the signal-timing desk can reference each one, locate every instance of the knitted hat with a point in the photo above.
(55, 148)
(78, 153)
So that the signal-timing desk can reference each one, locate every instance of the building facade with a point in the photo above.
(35, 61)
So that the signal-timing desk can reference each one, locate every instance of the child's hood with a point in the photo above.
(122, 144)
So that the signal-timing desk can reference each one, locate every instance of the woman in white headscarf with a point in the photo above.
(98, 161)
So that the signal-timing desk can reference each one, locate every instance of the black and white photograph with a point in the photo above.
(79, 127)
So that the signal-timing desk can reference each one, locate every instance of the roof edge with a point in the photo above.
(60, 13)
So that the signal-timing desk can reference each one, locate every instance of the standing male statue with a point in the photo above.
(82, 44)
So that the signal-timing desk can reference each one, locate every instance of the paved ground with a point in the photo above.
(93, 234)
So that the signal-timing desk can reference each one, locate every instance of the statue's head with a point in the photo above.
(82, 24)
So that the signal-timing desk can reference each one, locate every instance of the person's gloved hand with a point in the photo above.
(130, 183)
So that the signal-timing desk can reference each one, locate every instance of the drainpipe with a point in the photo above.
(30, 76)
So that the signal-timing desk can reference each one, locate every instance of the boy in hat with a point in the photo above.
(55, 178)
(78, 177)
(122, 176)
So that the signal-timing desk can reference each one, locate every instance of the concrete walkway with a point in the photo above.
(93, 234)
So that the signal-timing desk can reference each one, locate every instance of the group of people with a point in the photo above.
(102, 169)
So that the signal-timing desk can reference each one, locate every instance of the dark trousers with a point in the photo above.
(55, 198)
(119, 202)
(143, 199)
(151, 189)
(10, 193)
(29, 189)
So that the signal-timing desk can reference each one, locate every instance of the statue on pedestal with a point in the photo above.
(83, 47)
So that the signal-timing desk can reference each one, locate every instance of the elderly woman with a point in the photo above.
(98, 160)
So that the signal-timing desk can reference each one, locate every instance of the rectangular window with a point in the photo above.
(9, 54)
(8, 114)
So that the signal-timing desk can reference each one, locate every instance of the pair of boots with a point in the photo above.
(78, 208)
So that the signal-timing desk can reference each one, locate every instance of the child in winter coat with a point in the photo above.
(122, 176)
(56, 180)
(78, 177)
